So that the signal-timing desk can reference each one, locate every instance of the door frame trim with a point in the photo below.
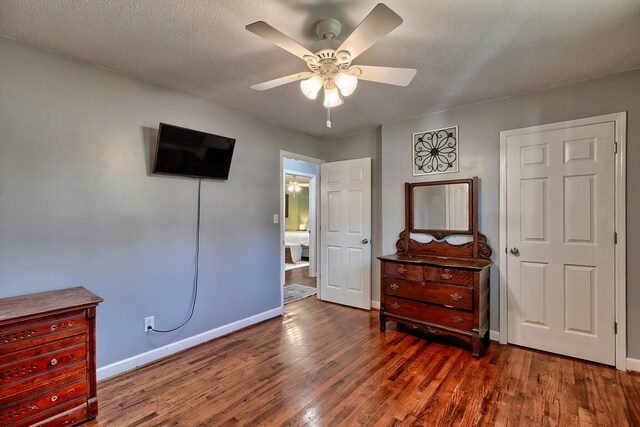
(282, 220)
(620, 159)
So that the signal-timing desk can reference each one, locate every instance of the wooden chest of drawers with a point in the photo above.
(437, 295)
(47, 358)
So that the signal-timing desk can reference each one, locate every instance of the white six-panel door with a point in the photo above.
(345, 220)
(560, 236)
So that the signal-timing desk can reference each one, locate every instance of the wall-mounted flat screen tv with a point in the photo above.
(192, 153)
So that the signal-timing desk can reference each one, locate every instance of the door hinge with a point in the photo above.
(615, 238)
(615, 327)
(615, 147)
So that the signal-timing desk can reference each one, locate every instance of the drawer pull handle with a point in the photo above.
(70, 323)
(53, 362)
(54, 398)
(394, 286)
(395, 306)
(402, 270)
(455, 297)
(425, 327)
(456, 319)
(446, 276)
(54, 327)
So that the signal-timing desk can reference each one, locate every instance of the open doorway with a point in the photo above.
(299, 193)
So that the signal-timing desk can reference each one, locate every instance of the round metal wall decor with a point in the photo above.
(435, 151)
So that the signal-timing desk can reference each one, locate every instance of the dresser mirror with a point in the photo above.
(441, 208)
(441, 219)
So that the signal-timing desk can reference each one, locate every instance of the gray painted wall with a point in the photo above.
(480, 127)
(77, 205)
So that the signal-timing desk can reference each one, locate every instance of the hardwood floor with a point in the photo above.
(299, 276)
(327, 365)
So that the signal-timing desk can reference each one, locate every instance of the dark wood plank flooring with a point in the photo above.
(299, 276)
(327, 365)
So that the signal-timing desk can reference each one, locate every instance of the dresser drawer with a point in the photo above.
(27, 411)
(54, 380)
(40, 330)
(434, 314)
(449, 275)
(27, 365)
(403, 270)
(437, 293)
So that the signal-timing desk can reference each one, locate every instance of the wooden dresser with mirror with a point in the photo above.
(438, 281)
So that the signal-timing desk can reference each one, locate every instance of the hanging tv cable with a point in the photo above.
(195, 271)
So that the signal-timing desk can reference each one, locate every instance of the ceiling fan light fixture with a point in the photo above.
(311, 86)
(330, 60)
(294, 186)
(332, 97)
(347, 83)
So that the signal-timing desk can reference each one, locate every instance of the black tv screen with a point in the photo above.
(192, 153)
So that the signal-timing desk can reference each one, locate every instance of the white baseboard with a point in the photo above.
(169, 349)
(375, 305)
(633, 364)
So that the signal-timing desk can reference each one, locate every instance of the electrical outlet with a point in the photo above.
(149, 323)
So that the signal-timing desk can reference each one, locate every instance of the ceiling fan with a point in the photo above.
(295, 183)
(331, 65)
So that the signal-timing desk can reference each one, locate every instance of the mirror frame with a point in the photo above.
(440, 234)
(477, 248)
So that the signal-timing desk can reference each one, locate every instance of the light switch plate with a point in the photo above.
(275, 218)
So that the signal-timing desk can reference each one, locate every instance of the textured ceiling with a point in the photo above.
(465, 51)
(297, 178)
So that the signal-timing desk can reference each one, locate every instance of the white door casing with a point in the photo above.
(345, 230)
(313, 226)
(281, 216)
(559, 184)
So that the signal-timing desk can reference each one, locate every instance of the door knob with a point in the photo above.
(365, 241)
(515, 251)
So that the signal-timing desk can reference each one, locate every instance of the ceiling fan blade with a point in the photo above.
(388, 75)
(377, 24)
(269, 33)
(280, 81)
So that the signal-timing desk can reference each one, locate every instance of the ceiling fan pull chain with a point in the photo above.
(329, 118)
